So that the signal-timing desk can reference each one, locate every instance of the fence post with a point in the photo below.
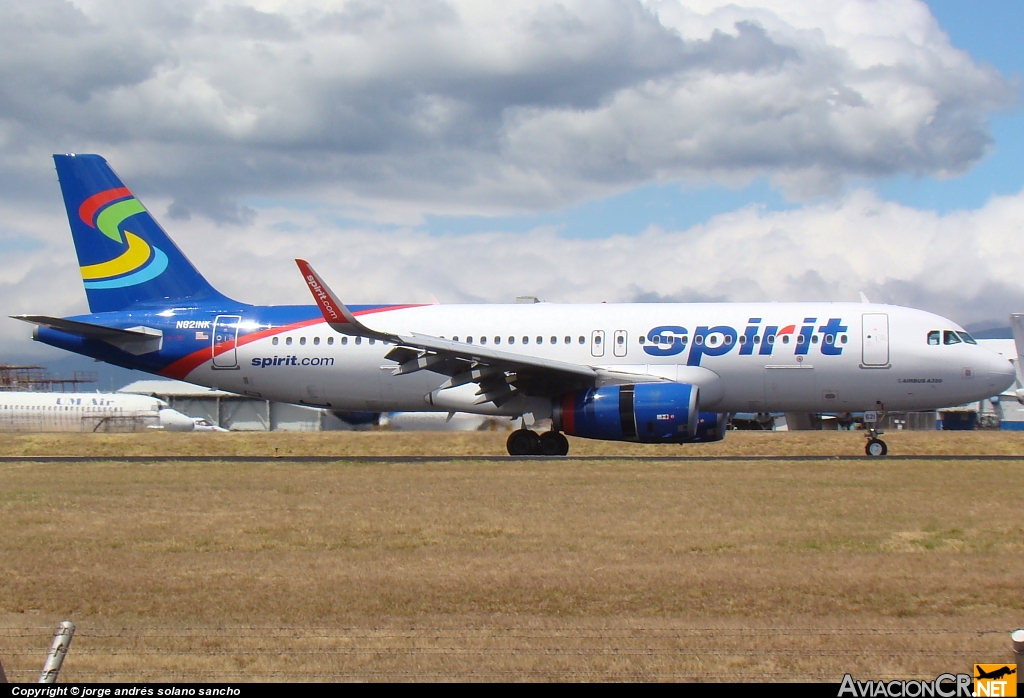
(59, 648)
(1017, 638)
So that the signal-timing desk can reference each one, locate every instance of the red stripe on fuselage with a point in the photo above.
(91, 205)
(569, 414)
(186, 364)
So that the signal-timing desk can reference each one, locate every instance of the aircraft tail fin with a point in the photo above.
(1017, 325)
(126, 258)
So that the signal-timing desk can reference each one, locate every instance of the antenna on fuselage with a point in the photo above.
(864, 299)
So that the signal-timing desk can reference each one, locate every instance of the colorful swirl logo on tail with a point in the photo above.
(139, 262)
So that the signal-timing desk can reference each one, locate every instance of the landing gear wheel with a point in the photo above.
(522, 442)
(563, 445)
(876, 448)
(553, 443)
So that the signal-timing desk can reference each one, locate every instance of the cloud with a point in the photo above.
(963, 265)
(403, 107)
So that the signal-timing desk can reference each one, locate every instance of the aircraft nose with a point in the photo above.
(1001, 372)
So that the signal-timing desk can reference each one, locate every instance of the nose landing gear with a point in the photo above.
(875, 447)
(523, 442)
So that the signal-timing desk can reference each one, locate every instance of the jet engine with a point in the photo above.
(646, 412)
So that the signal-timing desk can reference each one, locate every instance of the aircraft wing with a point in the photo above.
(134, 340)
(501, 375)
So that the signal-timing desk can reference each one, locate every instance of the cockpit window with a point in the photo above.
(950, 337)
(933, 338)
(967, 338)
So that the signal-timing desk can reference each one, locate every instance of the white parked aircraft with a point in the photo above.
(657, 373)
(87, 412)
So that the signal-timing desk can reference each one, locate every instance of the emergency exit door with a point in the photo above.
(225, 341)
(620, 343)
(875, 340)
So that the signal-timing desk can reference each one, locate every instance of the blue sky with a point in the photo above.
(990, 30)
(391, 145)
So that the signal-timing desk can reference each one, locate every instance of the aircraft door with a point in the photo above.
(225, 341)
(620, 343)
(597, 343)
(875, 340)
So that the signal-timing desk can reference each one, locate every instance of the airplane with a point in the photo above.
(85, 412)
(1017, 324)
(995, 673)
(650, 373)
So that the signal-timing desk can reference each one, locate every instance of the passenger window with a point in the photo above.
(950, 337)
(455, 338)
(469, 340)
(583, 340)
(554, 340)
(967, 338)
(330, 341)
(770, 339)
(316, 341)
(288, 341)
(620, 340)
(373, 341)
(526, 340)
(698, 340)
(359, 340)
(497, 340)
(842, 339)
(642, 339)
(540, 340)
(568, 339)
(274, 341)
(814, 339)
(511, 340)
(757, 339)
(344, 340)
(933, 338)
(302, 341)
(483, 340)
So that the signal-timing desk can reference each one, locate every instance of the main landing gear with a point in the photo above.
(523, 442)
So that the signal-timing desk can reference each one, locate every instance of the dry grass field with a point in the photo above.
(492, 443)
(517, 570)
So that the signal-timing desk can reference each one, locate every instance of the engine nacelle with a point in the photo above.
(711, 426)
(646, 412)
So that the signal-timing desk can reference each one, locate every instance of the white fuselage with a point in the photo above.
(744, 357)
(86, 412)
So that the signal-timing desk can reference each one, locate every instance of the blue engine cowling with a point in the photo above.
(647, 412)
(711, 426)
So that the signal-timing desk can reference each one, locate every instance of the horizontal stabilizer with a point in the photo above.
(134, 340)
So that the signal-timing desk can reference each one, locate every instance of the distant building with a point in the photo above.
(236, 412)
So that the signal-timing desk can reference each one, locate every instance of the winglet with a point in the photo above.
(334, 311)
